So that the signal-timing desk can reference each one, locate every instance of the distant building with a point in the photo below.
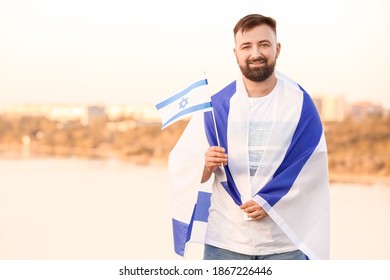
(331, 108)
(92, 113)
(142, 113)
(360, 110)
(118, 112)
(318, 103)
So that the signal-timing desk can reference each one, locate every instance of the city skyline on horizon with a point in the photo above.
(330, 108)
(151, 104)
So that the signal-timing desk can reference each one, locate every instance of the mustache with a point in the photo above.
(259, 59)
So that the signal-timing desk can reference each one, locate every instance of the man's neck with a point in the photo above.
(260, 89)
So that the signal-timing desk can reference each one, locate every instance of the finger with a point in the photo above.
(257, 215)
(258, 218)
(244, 206)
(262, 215)
(253, 216)
(212, 165)
(216, 154)
(216, 160)
(217, 149)
(247, 204)
(252, 209)
(220, 154)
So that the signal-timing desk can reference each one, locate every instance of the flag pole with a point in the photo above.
(212, 113)
(214, 121)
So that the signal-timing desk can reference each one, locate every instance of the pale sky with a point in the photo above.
(136, 52)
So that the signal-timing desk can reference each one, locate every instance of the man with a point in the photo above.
(264, 146)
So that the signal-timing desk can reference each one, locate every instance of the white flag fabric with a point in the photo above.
(195, 98)
(291, 183)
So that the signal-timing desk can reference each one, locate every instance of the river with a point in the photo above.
(56, 208)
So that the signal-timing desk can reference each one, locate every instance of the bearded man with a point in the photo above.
(261, 161)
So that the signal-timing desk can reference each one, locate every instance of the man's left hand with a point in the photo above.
(253, 210)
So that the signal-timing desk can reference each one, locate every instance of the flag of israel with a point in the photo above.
(183, 104)
(291, 183)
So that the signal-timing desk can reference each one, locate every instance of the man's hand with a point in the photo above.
(214, 157)
(253, 210)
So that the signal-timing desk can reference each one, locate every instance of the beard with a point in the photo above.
(258, 74)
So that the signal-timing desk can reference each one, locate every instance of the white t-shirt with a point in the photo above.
(227, 227)
(259, 131)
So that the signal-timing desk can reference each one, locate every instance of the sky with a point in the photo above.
(140, 52)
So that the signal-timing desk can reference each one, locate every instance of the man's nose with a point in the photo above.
(255, 52)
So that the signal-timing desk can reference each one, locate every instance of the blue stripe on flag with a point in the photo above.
(188, 111)
(202, 207)
(299, 151)
(221, 106)
(181, 94)
(182, 231)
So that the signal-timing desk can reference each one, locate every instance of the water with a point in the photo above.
(108, 209)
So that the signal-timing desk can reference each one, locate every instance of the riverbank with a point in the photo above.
(358, 152)
(19, 152)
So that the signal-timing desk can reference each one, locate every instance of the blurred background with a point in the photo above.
(82, 154)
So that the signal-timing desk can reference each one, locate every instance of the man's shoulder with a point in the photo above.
(290, 84)
(285, 78)
(227, 91)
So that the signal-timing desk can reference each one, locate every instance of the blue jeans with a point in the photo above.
(215, 253)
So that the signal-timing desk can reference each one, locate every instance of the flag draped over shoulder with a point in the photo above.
(292, 179)
(191, 199)
(192, 99)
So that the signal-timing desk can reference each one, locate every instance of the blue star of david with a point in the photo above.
(183, 103)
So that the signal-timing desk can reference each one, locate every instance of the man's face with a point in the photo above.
(256, 51)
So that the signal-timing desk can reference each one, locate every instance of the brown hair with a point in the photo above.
(251, 21)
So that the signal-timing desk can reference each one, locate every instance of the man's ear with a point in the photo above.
(235, 54)
(278, 47)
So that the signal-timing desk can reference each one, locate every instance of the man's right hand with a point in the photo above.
(214, 158)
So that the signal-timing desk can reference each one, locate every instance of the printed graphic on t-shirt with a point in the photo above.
(259, 133)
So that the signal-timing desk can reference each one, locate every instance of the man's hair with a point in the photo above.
(253, 20)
